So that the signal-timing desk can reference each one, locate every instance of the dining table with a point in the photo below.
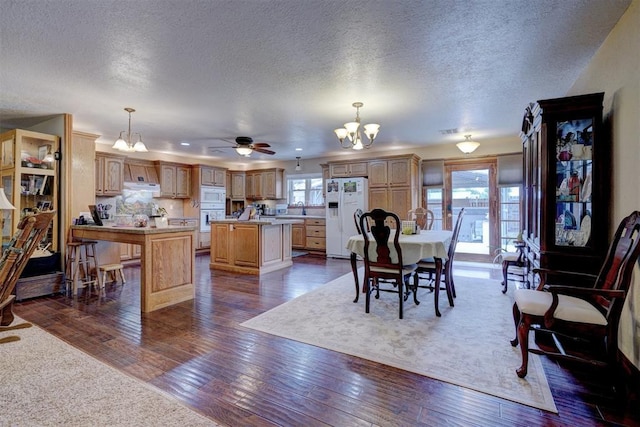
(424, 245)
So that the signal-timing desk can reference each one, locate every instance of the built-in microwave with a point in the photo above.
(212, 195)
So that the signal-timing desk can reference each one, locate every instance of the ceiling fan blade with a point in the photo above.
(216, 148)
(264, 151)
(260, 144)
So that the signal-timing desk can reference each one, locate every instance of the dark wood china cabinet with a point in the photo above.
(566, 184)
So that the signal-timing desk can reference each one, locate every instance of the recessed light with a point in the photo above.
(184, 143)
(298, 149)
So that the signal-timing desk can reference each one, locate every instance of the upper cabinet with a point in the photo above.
(566, 167)
(211, 176)
(348, 169)
(140, 171)
(265, 184)
(236, 188)
(175, 180)
(109, 174)
(394, 184)
(30, 179)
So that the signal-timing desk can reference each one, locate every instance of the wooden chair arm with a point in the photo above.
(577, 291)
(551, 276)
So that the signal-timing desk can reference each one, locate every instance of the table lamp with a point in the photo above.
(5, 204)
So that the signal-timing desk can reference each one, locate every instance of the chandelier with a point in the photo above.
(128, 144)
(467, 146)
(351, 131)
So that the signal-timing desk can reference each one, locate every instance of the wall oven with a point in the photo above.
(212, 206)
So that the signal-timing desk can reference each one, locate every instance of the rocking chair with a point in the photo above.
(31, 230)
(581, 323)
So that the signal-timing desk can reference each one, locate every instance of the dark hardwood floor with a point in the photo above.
(197, 352)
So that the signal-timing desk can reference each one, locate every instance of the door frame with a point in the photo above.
(489, 163)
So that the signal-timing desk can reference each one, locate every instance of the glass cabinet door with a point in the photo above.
(573, 176)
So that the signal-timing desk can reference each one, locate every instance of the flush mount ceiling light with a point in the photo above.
(351, 131)
(128, 144)
(298, 167)
(468, 146)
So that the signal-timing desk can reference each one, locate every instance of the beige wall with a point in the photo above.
(615, 70)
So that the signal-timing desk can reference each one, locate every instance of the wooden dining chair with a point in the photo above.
(429, 267)
(580, 322)
(423, 217)
(384, 262)
(31, 230)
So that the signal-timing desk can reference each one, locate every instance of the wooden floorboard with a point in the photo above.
(198, 352)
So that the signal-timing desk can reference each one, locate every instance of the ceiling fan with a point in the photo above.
(245, 146)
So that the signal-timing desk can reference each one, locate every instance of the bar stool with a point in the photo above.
(112, 271)
(81, 267)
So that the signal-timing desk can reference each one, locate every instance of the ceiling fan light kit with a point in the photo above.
(351, 132)
(128, 144)
(467, 146)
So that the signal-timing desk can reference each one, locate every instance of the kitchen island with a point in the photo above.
(251, 247)
(167, 260)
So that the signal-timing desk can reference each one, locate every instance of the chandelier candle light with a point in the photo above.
(351, 131)
(128, 144)
(468, 146)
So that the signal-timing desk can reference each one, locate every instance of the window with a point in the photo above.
(305, 189)
(509, 216)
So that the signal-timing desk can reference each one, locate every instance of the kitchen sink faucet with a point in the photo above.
(304, 211)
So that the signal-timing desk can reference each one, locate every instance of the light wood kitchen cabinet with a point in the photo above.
(237, 187)
(272, 183)
(204, 239)
(175, 180)
(140, 171)
(130, 251)
(298, 236)
(210, 175)
(315, 234)
(348, 169)
(109, 174)
(264, 184)
(394, 184)
(220, 243)
(241, 249)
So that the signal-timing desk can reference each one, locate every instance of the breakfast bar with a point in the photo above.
(167, 260)
(251, 247)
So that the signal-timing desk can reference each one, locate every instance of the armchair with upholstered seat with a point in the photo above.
(579, 323)
(383, 258)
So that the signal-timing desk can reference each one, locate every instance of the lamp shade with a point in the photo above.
(5, 204)
(244, 151)
(467, 146)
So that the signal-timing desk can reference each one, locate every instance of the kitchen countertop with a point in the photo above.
(300, 216)
(262, 221)
(112, 228)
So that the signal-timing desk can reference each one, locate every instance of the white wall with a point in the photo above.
(615, 70)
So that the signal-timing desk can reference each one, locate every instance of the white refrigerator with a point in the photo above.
(342, 197)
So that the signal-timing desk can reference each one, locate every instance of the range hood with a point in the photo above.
(143, 186)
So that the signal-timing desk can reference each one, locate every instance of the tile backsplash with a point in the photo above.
(140, 202)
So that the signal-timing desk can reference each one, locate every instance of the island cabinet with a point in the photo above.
(175, 180)
(140, 171)
(566, 171)
(394, 184)
(109, 174)
(348, 169)
(250, 247)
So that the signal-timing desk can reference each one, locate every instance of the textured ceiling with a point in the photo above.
(287, 72)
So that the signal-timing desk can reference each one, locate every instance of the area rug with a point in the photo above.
(45, 381)
(468, 346)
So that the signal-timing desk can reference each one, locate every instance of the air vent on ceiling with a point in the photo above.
(449, 131)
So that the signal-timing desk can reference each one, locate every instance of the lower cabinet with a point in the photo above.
(298, 236)
(130, 251)
(315, 232)
(204, 239)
